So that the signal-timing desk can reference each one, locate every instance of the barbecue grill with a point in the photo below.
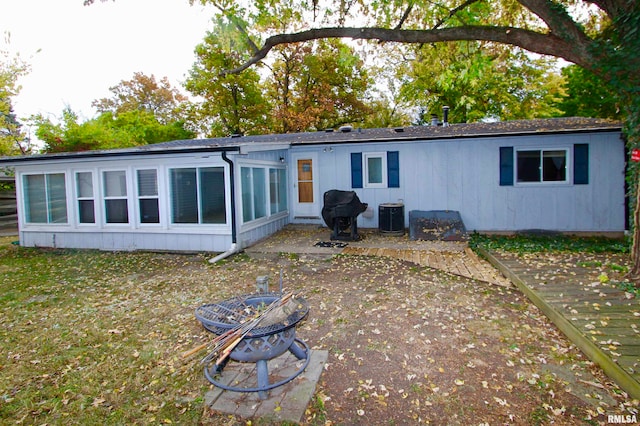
(340, 213)
(261, 343)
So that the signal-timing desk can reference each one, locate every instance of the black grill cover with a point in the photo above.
(341, 204)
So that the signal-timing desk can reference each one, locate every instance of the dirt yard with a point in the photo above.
(410, 345)
(96, 338)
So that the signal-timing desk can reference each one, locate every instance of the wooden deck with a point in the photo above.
(602, 320)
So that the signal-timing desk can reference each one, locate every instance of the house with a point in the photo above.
(224, 194)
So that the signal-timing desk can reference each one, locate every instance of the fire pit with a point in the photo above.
(271, 337)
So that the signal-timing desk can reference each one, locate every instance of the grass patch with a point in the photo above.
(95, 337)
(549, 243)
(629, 288)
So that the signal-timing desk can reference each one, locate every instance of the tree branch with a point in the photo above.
(545, 44)
(557, 19)
(405, 15)
(236, 22)
(453, 12)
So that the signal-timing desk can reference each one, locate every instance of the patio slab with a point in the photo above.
(453, 257)
(286, 403)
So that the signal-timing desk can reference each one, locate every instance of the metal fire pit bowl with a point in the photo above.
(261, 343)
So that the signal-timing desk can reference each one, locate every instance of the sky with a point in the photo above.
(77, 52)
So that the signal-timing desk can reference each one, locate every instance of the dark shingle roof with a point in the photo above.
(516, 127)
(347, 135)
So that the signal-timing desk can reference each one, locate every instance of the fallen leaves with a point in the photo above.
(406, 344)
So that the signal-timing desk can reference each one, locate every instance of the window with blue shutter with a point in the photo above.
(581, 164)
(375, 169)
(393, 169)
(356, 170)
(506, 166)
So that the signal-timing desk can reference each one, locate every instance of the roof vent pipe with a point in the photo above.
(434, 119)
(445, 116)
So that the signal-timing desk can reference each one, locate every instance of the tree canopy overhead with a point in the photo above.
(582, 32)
(600, 36)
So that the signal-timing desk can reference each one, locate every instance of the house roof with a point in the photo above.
(251, 143)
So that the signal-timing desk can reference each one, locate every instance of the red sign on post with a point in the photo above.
(635, 155)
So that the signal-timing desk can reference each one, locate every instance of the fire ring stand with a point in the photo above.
(260, 345)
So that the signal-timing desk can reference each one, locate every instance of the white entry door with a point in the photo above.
(306, 202)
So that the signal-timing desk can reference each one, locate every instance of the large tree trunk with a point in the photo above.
(632, 136)
(634, 273)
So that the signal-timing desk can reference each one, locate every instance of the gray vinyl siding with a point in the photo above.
(464, 175)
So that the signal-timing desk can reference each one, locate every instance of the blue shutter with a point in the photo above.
(506, 166)
(581, 164)
(356, 170)
(393, 169)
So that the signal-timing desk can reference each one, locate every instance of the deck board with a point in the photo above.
(599, 318)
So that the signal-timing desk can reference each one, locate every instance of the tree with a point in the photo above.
(587, 95)
(141, 111)
(605, 42)
(480, 81)
(107, 131)
(143, 92)
(232, 103)
(318, 87)
(13, 140)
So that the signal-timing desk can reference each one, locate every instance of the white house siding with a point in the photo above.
(463, 175)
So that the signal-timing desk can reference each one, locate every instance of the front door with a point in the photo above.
(306, 203)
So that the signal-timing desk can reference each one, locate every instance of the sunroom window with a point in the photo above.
(116, 207)
(86, 206)
(45, 198)
(198, 195)
(278, 190)
(254, 193)
(542, 166)
(148, 196)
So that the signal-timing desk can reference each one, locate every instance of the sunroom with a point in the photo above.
(185, 201)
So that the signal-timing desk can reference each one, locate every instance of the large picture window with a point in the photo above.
(116, 207)
(541, 166)
(45, 198)
(86, 200)
(198, 195)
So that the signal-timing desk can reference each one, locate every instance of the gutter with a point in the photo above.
(234, 235)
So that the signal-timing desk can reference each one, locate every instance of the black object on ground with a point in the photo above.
(340, 212)
(440, 225)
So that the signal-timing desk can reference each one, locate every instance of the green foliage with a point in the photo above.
(629, 287)
(549, 243)
(12, 138)
(232, 103)
(588, 95)
(132, 128)
(480, 81)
